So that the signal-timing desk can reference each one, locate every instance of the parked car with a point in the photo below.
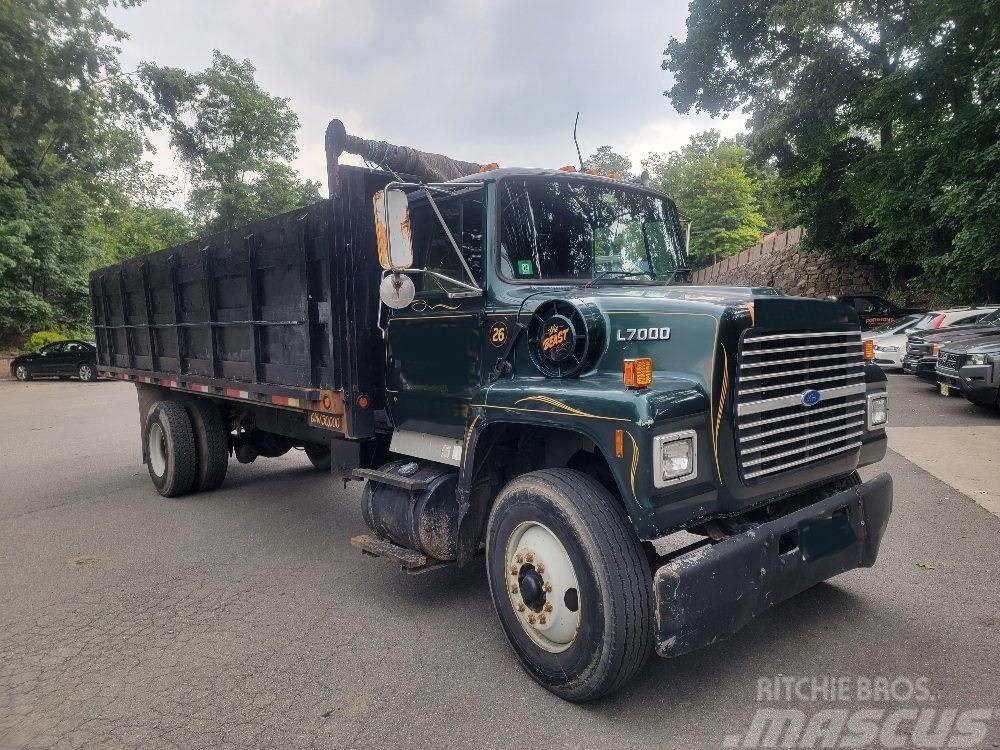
(965, 322)
(890, 340)
(63, 359)
(971, 367)
(875, 311)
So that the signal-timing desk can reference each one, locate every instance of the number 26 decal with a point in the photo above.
(498, 334)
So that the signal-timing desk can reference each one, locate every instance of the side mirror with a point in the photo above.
(392, 229)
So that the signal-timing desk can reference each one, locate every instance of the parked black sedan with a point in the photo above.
(63, 359)
(972, 367)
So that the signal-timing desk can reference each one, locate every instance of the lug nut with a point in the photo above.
(531, 556)
(513, 570)
(541, 619)
(548, 607)
(547, 588)
(513, 588)
(519, 559)
(540, 568)
(531, 619)
(520, 608)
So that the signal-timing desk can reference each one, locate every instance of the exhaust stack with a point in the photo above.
(400, 159)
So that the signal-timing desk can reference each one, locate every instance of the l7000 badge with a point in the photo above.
(643, 334)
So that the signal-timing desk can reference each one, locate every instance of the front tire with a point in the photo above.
(87, 372)
(22, 373)
(170, 448)
(570, 583)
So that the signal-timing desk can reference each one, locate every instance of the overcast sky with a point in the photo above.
(480, 80)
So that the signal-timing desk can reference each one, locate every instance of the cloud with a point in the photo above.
(482, 80)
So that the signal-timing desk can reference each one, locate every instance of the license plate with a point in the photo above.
(819, 537)
(945, 389)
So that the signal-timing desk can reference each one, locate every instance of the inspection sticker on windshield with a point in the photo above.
(525, 268)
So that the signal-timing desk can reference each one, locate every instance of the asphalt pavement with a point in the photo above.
(243, 618)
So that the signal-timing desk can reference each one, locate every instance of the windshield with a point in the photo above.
(896, 326)
(991, 319)
(569, 229)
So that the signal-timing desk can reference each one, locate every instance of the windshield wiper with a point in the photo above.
(617, 272)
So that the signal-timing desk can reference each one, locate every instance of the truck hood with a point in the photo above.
(979, 345)
(767, 308)
(953, 333)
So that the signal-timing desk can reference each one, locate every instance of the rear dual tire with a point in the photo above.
(570, 583)
(187, 447)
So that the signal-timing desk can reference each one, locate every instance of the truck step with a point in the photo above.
(410, 561)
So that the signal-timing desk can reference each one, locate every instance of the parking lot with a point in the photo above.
(244, 618)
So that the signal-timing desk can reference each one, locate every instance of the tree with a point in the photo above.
(850, 103)
(606, 161)
(72, 136)
(235, 141)
(710, 182)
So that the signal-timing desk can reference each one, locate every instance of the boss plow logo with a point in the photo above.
(643, 334)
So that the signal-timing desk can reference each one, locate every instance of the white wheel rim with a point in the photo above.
(22, 372)
(534, 552)
(85, 372)
(157, 449)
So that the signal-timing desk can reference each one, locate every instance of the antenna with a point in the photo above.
(578, 154)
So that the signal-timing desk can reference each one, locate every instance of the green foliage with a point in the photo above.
(42, 338)
(879, 119)
(234, 139)
(606, 161)
(72, 135)
(714, 187)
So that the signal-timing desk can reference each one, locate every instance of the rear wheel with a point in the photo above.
(319, 455)
(22, 373)
(87, 372)
(211, 444)
(570, 583)
(170, 448)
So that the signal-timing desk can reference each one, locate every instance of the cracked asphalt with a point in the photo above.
(244, 619)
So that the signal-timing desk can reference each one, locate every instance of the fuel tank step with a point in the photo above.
(410, 561)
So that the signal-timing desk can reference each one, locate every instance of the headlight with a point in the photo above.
(878, 410)
(978, 359)
(879, 348)
(675, 458)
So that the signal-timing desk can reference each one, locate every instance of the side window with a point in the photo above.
(433, 250)
(871, 306)
(75, 347)
(52, 349)
(967, 319)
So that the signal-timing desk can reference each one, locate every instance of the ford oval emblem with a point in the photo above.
(811, 397)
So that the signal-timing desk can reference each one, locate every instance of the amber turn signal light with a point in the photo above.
(638, 373)
(869, 350)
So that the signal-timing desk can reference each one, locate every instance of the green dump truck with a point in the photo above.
(514, 364)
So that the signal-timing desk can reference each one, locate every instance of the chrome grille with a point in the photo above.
(776, 430)
(950, 360)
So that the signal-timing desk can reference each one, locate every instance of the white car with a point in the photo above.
(890, 339)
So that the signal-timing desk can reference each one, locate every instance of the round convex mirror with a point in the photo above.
(396, 291)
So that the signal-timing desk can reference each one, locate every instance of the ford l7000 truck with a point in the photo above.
(513, 362)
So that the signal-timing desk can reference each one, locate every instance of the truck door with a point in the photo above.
(434, 343)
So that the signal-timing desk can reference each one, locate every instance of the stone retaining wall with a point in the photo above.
(777, 260)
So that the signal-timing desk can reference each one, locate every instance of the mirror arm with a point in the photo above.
(451, 239)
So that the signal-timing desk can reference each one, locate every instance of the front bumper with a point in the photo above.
(978, 383)
(922, 367)
(708, 594)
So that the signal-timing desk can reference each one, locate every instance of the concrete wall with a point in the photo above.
(778, 261)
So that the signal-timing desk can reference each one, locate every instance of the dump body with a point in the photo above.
(282, 311)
